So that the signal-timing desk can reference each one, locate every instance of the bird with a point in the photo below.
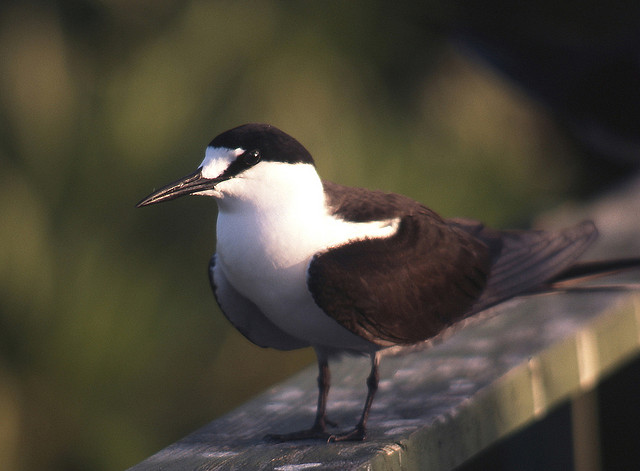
(304, 262)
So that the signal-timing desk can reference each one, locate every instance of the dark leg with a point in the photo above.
(324, 383)
(318, 430)
(360, 432)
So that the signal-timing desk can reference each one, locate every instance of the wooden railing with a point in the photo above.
(438, 408)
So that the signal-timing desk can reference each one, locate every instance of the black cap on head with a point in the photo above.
(273, 144)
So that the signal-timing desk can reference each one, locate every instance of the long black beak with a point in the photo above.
(188, 185)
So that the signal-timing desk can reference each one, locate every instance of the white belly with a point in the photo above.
(266, 259)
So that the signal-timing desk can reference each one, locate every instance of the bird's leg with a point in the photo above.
(318, 429)
(359, 433)
(324, 382)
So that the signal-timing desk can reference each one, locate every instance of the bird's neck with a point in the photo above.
(275, 190)
(270, 225)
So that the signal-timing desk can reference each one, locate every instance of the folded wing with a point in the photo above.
(433, 272)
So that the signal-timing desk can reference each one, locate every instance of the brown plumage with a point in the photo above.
(439, 271)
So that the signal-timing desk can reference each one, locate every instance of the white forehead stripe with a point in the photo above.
(217, 159)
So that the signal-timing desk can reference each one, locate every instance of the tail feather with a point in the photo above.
(532, 262)
(525, 260)
(584, 271)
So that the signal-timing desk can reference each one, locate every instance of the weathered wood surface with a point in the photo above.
(435, 408)
(438, 407)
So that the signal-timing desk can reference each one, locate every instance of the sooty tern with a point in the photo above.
(304, 262)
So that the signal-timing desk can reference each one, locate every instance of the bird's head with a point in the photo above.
(245, 152)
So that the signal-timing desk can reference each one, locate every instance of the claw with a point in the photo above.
(358, 434)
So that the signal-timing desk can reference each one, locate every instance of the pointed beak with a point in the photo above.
(188, 185)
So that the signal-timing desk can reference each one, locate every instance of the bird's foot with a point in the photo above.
(319, 432)
(309, 434)
(316, 432)
(358, 434)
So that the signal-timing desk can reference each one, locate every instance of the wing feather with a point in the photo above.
(433, 272)
(405, 288)
(527, 259)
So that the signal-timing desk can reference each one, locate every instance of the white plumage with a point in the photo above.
(272, 220)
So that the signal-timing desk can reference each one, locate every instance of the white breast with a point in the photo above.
(271, 222)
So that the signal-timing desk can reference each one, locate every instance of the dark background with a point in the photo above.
(111, 345)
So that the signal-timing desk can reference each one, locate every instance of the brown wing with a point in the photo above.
(403, 289)
(433, 272)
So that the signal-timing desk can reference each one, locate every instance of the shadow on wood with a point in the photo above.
(439, 407)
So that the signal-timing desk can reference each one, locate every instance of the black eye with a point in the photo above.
(251, 157)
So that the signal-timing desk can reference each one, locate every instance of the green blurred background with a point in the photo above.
(111, 345)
